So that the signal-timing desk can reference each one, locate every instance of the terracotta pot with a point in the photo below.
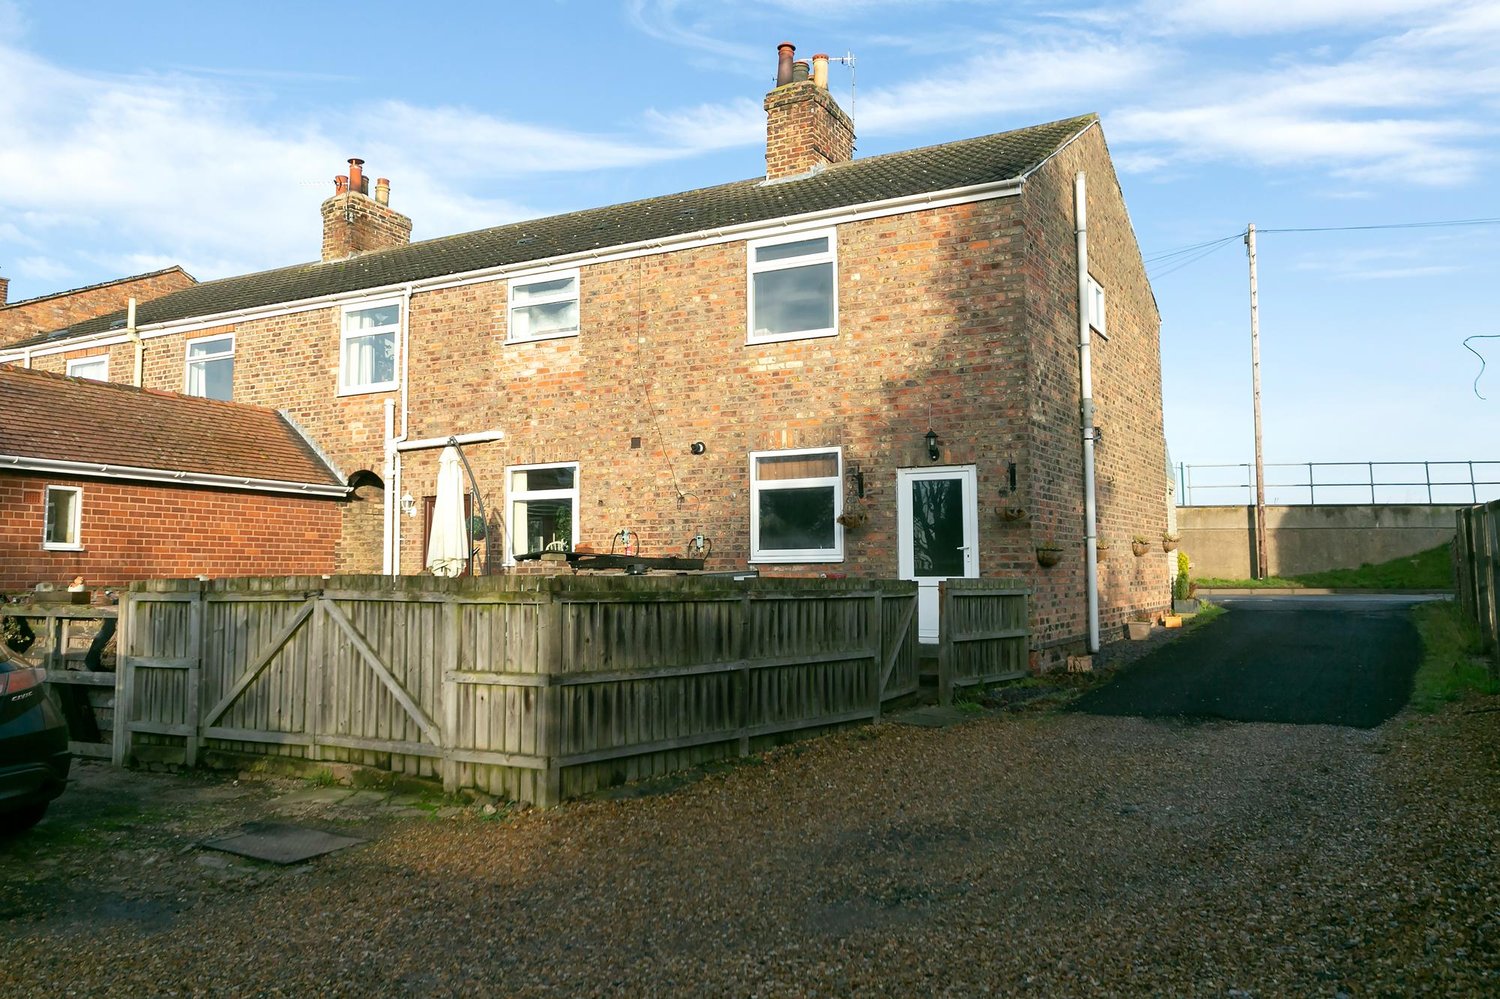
(1168, 546)
(1048, 557)
(1140, 548)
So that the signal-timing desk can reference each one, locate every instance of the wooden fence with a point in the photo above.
(86, 694)
(533, 688)
(1476, 547)
(983, 635)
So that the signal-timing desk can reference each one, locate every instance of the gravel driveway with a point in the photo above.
(1031, 852)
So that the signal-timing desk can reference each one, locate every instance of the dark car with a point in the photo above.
(34, 756)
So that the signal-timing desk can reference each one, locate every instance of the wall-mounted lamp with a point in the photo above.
(1098, 437)
(1010, 477)
(409, 505)
(857, 474)
(698, 447)
(931, 438)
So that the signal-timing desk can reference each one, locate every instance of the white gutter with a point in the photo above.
(625, 251)
(1086, 376)
(427, 443)
(54, 466)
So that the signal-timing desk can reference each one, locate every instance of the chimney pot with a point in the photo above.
(340, 184)
(799, 71)
(382, 191)
(820, 70)
(357, 182)
(784, 53)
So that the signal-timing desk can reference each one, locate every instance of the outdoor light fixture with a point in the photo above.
(931, 438)
(409, 505)
(698, 447)
(858, 475)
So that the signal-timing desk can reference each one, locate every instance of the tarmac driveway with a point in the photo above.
(1308, 660)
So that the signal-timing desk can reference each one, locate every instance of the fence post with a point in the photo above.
(196, 626)
(1427, 474)
(317, 657)
(1312, 490)
(877, 685)
(124, 682)
(550, 655)
(945, 645)
(1370, 467)
(742, 675)
(449, 688)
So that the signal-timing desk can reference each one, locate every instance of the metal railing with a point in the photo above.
(1335, 483)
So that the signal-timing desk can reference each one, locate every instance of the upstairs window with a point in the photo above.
(210, 367)
(1096, 308)
(792, 284)
(60, 532)
(544, 307)
(543, 508)
(367, 348)
(795, 497)
(96, 368)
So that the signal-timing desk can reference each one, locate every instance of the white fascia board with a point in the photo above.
(624, 251)
(131, 473)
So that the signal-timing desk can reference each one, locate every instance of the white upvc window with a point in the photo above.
(1096, 308)
(64, 505)
(209, 368)
(795, 499)
(543, 503)
(367, 348)
(793, 284)
(543, 307)
(96, 367)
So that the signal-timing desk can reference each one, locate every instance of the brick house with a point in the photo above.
(64, 308)
(114, 483)
(845, 366)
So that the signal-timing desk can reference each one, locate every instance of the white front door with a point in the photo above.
(938, 538)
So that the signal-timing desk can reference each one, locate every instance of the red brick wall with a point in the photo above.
(356, 223)
(962, 319)
(805, 128)
(131, 532)
(25, 319)
(1130, 463)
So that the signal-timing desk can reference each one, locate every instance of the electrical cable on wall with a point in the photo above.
(1479, 336)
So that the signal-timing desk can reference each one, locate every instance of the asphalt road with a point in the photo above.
(1320, 660)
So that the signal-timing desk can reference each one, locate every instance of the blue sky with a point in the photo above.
(138, 135)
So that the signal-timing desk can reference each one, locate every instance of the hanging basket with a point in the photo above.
(1168, 543)
(1048, 556)
(1140, 547)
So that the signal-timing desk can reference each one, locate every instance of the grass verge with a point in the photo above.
(1428, 570)
(1452, 661)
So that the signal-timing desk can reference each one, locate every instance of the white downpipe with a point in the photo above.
(135, 338)
(392, 497)
(391, 560)
(1086, 376)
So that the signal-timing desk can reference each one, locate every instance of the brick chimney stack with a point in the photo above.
(806, 130)
(4, 290)
(355, 223)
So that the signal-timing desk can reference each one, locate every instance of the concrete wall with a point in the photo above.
(1221, 539)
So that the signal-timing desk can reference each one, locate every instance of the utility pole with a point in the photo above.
(1261, 566)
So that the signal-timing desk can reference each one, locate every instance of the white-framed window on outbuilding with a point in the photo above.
(209, 367)
(543, 307)
(1096, 308)
(793, 284)
(64, 515)
(543, 504)
(367, 347)
(96, 367)
(795, 499)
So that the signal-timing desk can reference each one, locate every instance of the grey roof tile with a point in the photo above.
(987, 159)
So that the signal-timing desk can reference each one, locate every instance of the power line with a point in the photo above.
(1211, 245)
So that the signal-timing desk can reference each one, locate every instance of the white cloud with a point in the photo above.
(1257, 17)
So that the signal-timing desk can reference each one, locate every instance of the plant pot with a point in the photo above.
(853, 521)
(1101, 553)
(1137, 630)
(1013, 514)
(1189, 606)
(1048, 557)
(1140, 548)
(1168, 546)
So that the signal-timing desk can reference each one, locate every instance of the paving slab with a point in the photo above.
(281, 843)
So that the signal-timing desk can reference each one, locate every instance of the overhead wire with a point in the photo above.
(1479, 336)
